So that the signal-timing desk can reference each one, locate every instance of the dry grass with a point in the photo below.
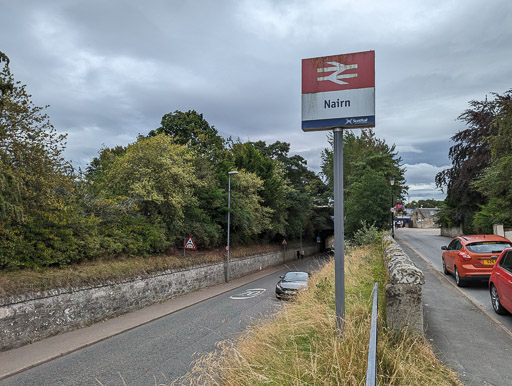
(301, 346)
(115, 269)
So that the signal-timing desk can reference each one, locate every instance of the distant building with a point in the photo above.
(425, 218)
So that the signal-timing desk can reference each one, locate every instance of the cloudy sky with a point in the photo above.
(111, 69)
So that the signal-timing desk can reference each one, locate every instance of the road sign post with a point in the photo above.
(338, 92)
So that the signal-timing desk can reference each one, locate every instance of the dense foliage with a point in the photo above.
(146, 197)
(142, 198)
(495, 181)
(40, 221)
(475, 189)
(369, 164)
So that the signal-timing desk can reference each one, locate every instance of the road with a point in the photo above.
(466, 333)
(427, 243)
(161, 351)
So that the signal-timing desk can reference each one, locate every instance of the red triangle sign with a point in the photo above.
(189, 244)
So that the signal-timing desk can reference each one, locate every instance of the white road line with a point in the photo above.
(250, 293)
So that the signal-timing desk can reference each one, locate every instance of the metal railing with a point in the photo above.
(371, 367)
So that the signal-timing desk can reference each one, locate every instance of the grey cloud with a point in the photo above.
(111, 70)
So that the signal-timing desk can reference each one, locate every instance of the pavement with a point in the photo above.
(464, 335)
(26, 357)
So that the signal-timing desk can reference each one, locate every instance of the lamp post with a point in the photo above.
(392, 182)
(229, 222)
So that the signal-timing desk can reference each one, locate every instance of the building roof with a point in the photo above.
(426, 212)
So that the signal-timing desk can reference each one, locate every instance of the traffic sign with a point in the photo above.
(190, 244)
(338, 91)
(284, 242)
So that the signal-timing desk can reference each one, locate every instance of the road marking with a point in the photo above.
(250, 293)
(441, 276)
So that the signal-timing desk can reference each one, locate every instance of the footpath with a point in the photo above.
(463, 336)
(26, 357)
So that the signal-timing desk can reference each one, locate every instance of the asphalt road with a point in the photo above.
(163, 350)
(427, 243)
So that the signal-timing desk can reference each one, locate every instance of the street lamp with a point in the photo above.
(229, 222)
(392, 182)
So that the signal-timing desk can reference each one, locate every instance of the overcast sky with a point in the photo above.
(111, 69)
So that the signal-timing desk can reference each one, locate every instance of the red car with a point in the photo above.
(500, 283)
(472, 257)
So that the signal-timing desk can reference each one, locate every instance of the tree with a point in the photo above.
(470, 156)
(40, 223)
(276, 188)
(307, 189)
(494, 183)
(368, 164)
(250, 217)
(158, 177)
(191, 129)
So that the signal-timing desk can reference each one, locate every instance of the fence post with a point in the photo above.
(371, 367)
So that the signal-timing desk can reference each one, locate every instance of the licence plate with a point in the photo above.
(489, 262)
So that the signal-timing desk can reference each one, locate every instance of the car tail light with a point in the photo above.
(464, 256)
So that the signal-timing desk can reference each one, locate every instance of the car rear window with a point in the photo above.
(487, 247)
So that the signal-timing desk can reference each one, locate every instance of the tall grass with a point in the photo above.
(302, 346)
(116, 269)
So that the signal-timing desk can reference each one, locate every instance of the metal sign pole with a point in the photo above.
(229, 226)
(339, 230)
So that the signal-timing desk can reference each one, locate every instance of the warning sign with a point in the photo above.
(189, 244)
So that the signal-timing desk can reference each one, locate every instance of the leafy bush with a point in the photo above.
(367, 235)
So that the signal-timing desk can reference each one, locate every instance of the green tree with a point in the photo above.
(250, 217)
(470, 155)
(40, 223)
(307, 190)
(368, 165)
(191, 129)
(158, 178)
(494, 183)
(212, 162)
(276, 188)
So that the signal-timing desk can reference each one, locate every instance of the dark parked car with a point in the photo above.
(500, 283)
(290, 283)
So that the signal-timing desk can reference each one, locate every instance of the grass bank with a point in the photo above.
(116, 269)
(301, 345)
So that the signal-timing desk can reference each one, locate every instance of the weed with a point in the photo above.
(303, 346)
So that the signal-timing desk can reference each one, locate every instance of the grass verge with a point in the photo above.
(301, 345)
(116, 269)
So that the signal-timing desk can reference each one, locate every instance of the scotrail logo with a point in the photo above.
(354, 121)
(337, 75)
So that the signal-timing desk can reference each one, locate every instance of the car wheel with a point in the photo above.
(445, 271)
(495, 300)
(458, 280)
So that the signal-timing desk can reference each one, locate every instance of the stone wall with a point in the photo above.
(451, 232)
(404, 306)
(35, 316)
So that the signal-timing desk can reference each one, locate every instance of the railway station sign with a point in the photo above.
(338, 91)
